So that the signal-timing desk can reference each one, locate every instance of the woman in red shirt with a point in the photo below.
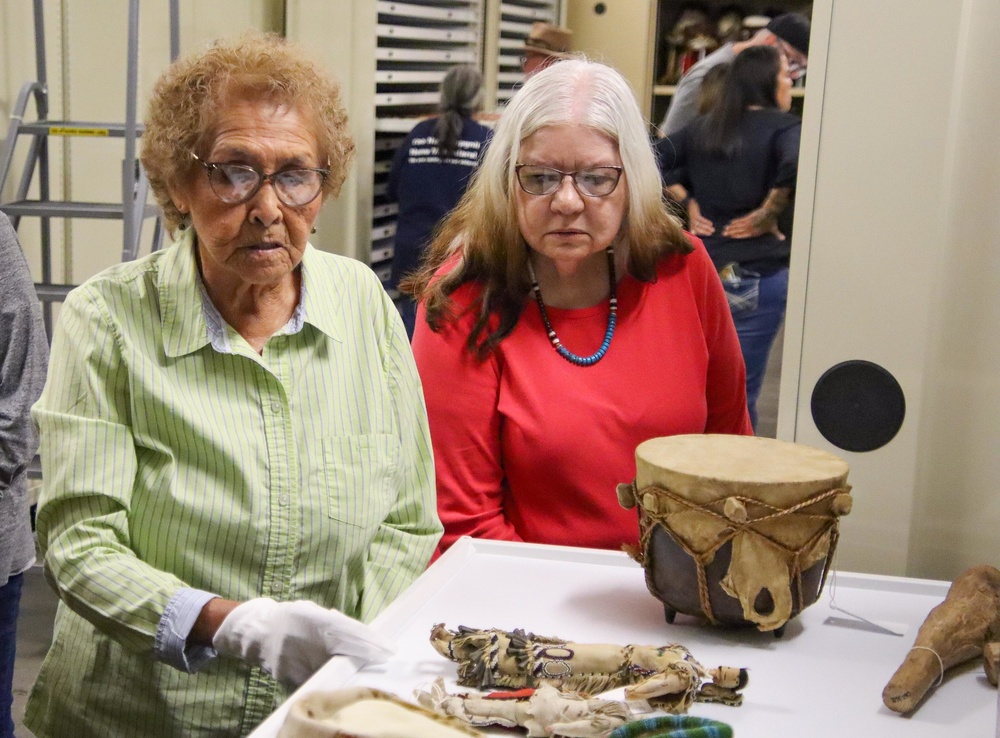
(565, 318)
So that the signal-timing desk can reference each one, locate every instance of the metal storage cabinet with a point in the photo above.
(896, 263)
(509, 24)
(417, 43)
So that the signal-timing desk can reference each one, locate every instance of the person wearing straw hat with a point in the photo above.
(545, 45)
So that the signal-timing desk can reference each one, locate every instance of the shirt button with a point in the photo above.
(283, 499)
(278, 586)
(275, 407)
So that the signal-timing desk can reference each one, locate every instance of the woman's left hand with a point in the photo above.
(755, 223)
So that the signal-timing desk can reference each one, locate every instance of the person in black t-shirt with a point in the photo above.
(431, 170)
(734, 169)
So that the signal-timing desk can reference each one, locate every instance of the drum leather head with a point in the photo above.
(858, 406)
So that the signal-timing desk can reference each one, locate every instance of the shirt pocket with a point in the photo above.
(359, 474)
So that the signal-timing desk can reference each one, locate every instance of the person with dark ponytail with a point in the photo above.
(431, 170)
(734, 171)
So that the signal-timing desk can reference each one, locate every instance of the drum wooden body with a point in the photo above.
(736, 529)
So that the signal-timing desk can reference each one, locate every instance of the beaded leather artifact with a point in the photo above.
(667, 676)
(544, 712)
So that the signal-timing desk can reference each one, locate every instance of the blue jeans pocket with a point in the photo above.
(742, 288)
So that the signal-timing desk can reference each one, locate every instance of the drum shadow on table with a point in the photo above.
(645, 612)
(608, 605)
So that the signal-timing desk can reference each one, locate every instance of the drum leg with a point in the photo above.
(669, 613)
(779, 632)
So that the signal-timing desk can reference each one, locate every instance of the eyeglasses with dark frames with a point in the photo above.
(235, 184)
(592, 182)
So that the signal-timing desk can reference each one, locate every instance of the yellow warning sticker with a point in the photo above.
(75, 131)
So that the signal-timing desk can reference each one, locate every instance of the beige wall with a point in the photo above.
(956, 517)
(895, 262)
(622, 36)
(341, 33)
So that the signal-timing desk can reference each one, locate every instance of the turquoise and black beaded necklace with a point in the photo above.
(612, 319)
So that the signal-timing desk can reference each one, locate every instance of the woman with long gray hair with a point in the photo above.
(574, 317)
(431, 170)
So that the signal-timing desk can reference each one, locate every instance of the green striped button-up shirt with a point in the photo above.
(172, 466)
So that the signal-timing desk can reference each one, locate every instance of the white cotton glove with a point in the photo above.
(291, 640)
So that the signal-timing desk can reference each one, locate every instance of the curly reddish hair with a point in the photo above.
(186, 100)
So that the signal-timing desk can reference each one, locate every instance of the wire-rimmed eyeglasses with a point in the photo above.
(234, 184)
(592, 182)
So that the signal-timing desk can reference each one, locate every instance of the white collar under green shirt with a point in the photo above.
(219, 332)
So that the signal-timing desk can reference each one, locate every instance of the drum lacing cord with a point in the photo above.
(646, 531)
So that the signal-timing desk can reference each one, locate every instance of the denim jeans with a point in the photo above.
(758, 306)
(10, 600)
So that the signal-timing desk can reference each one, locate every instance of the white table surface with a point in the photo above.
(823, 678)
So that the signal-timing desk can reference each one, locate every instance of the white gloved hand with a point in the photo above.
(291, 640)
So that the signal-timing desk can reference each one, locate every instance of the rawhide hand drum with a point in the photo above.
(736, 529)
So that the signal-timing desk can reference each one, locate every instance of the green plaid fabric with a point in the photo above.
(673, 726)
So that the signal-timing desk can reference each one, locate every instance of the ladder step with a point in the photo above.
(52, 292)
(59, 209)
(35, 468)
(70, 128)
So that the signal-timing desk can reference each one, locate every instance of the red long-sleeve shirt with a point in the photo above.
(528, 446)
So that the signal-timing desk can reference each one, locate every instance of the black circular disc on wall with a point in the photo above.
(858, 405)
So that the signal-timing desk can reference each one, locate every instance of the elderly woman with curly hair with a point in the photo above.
(235, 450)
(576, 317)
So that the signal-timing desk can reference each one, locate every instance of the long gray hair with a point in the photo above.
(461, 96)
(484, 224)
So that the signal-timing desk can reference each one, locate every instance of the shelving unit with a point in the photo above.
(669, 90)
(668, 13)
(391, 58)
(416, 43)
(515, 20)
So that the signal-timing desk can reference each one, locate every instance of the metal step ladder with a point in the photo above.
(133, 209)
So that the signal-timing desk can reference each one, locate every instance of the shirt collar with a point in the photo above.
(218, 330)
(185, 329)
(322, 308)
(191, 320)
